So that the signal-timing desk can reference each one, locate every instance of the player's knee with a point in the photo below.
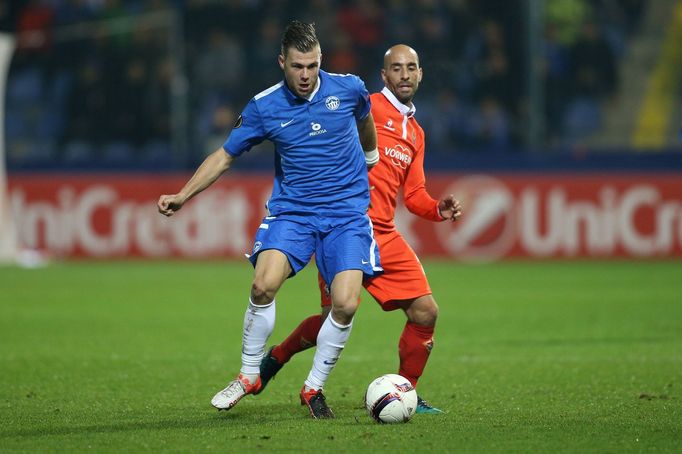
(424, 311)
(431, 313)
(345, 297)
(343, 310)
(260, 293)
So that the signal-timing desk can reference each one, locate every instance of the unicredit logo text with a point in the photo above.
(99, 222)
(497, 222)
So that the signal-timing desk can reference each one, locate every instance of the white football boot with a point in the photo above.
(235, 390)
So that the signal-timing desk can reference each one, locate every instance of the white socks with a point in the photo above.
(330, 342)
(259, 322)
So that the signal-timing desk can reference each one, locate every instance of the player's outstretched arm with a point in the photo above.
(450, 208)
(368, 140)
(213, 166)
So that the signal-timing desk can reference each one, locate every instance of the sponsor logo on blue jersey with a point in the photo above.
(317, 129)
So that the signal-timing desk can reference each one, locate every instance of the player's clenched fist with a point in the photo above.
(169, 204)
(450, 208)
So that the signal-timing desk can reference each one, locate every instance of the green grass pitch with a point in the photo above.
(571, 356)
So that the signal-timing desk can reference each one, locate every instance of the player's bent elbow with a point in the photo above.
(223, 159)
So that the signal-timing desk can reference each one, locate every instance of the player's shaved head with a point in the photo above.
(400, 51)
(401, 72)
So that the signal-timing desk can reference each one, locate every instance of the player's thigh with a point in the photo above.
(403, 277)
(345, 291)
(346, 287)
(349, 245)
(290, 235)
(272, 269)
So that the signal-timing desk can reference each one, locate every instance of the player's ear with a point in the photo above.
(383, 75)
(421, 74)
(280, 60)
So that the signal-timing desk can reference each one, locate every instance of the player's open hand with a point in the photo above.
(450, 208)
(169, 204)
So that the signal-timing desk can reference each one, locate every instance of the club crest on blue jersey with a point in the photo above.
(332, 102)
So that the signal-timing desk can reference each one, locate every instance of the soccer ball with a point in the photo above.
(391, 398)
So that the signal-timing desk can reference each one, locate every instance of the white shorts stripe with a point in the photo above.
(372, 255)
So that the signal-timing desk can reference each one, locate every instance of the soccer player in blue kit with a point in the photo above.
(324, 137)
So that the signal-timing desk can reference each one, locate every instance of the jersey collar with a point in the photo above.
(402, 108)
(317, 87)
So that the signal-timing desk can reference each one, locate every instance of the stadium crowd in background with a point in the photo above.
(104, 96)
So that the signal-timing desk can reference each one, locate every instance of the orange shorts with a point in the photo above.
(403, 277)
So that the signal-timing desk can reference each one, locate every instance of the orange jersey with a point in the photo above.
(401, 163)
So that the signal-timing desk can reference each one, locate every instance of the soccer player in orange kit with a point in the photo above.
(403, 285)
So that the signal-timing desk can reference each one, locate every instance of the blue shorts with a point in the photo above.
(339, 243)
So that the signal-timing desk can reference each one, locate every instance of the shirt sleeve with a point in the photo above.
(248, 131)
(364, 103)
(417, 200)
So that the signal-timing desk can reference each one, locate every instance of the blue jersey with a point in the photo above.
(319, 162)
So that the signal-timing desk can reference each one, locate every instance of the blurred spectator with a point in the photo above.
(215, 126)
(399, 26)
(263, 51)
(433, 32)
(593, 64)
(8, 13)
(339, 56)
(221, 65)
(34, 27)
(446, 122)
(158, 97)
(489, 125)
(363, 21)
(130, 120)
(567, 16)
(557, 80)
(593, 78)
(485, 56)
(87, 105)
